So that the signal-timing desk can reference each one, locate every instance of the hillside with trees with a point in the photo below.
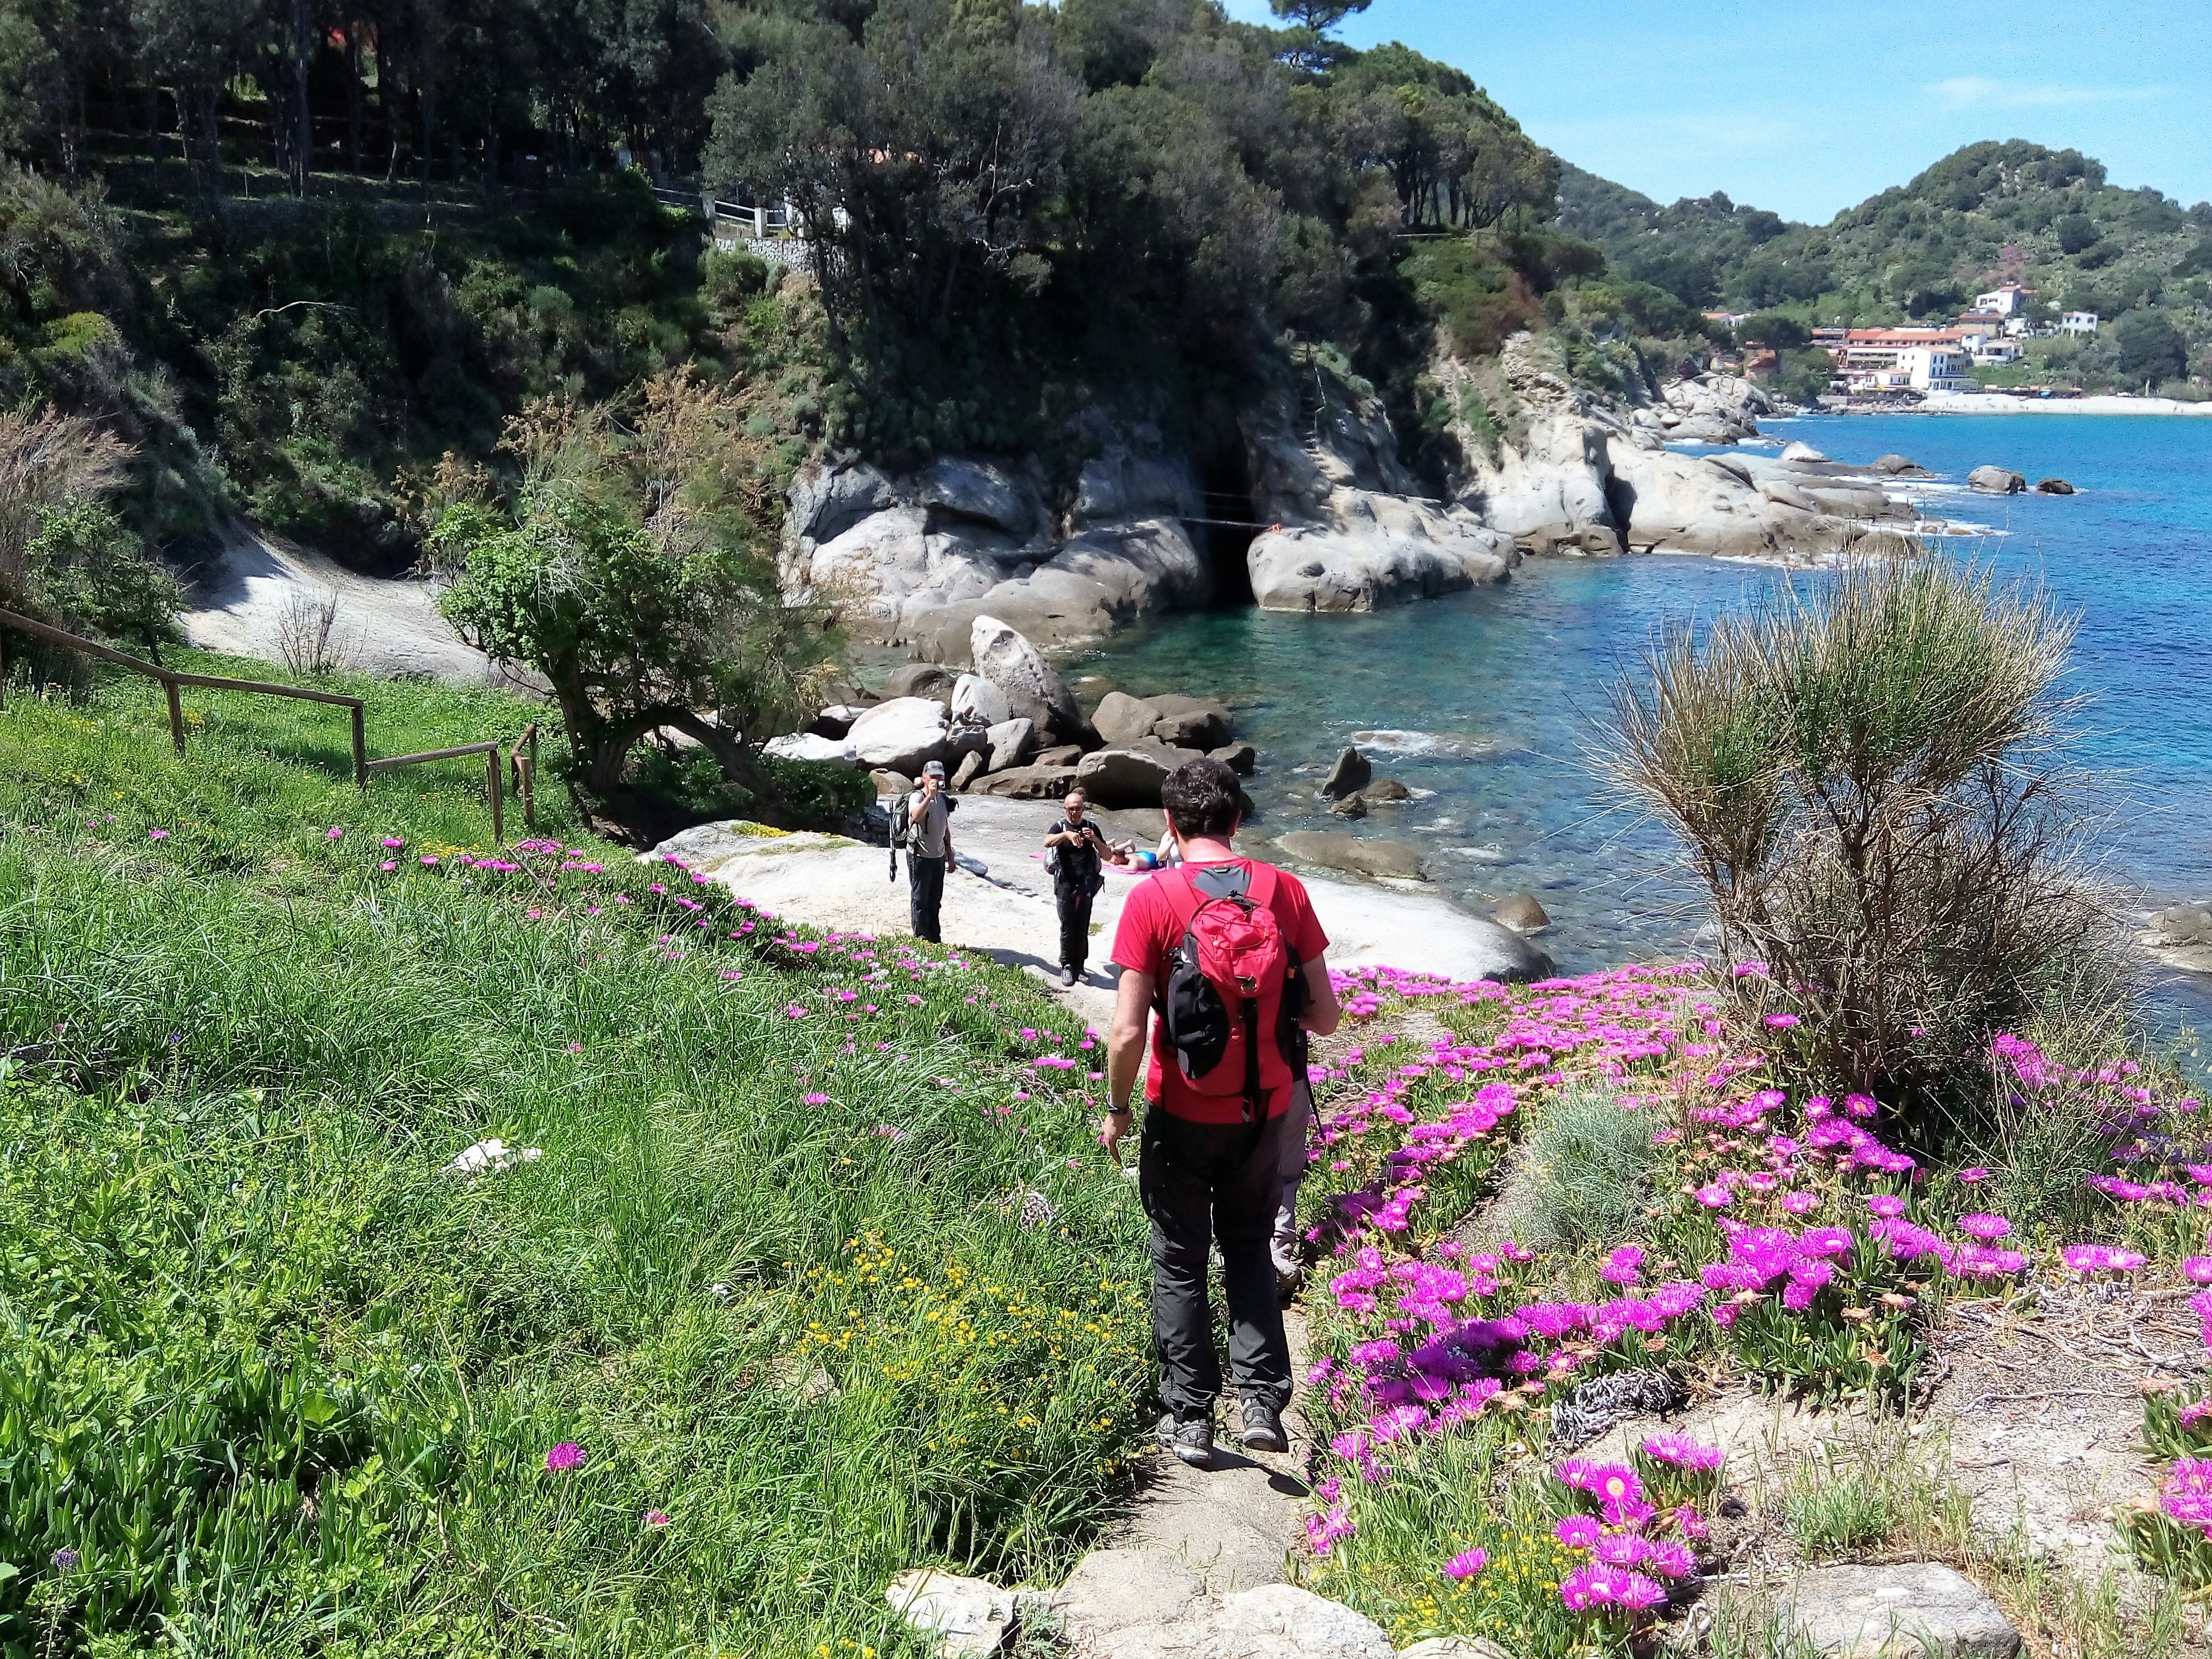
(1987, 213)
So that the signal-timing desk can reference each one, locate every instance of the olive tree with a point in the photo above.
(634, 570)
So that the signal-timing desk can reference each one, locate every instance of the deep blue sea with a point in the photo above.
(1485, 703)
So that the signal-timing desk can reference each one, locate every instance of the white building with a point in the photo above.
(2078, 322)
(2006, 302)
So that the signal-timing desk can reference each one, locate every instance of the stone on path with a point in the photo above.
(1915, 1611)
(1454, 1647)
(1110, 1589)
(1141, 1606)
(969, 1617)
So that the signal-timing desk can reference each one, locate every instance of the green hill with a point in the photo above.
(1987, 213)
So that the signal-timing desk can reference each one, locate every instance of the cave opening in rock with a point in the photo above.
(1228, 519)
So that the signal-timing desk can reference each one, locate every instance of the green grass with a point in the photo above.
(283, 1385)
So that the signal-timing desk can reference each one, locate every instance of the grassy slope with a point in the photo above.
(280, 1381)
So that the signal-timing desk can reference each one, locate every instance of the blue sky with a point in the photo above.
(1806, 108)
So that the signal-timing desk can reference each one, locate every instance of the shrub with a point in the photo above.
(1584, 1175)
(1872, 789)
(634, 573)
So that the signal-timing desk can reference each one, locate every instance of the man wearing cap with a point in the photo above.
(928, 852)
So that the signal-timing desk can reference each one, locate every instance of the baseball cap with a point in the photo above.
(933, 769)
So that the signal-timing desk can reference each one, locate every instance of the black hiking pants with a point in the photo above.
(1074, 904)
(1202, 1183)
(925, 892)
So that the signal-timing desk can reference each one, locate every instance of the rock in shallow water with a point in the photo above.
(1352, 771)
(1523, 913)
(1996, 481)
(1915, 1611)
(1335, 850)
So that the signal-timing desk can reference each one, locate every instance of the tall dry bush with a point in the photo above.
(1873, 786)
(46, 461)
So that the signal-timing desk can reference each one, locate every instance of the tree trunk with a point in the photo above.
(353, 96)
(303, 128)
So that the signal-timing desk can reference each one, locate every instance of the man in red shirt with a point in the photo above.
(1202, 1168)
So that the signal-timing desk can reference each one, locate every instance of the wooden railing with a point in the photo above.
(172, 679)
(523, 758)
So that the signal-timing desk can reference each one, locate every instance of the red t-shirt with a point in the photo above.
(1152, 925)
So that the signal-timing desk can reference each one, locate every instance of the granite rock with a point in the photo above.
(1913, 1611)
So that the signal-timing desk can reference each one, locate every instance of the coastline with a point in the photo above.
(2000, 403)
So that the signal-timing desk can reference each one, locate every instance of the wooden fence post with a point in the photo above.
(176, 713)
(492, 788)
(359, 748)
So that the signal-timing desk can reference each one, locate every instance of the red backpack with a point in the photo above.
(1233, 977)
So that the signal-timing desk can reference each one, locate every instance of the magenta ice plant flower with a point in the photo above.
(1987, 1228)
(565, 1456)
(1466, 1564)
(2197, 1269)
(1683, 1453)
(2086, 1259)
(1579, 1532)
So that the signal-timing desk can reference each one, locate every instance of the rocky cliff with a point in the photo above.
(1339, 522)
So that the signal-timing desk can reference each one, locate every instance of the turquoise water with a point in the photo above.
(1487, 700)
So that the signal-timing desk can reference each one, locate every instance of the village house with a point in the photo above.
(1878, 362)
(2078, 322)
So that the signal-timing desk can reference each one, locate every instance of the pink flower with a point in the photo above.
(1715, 1196)
(1800, 1203)
(1987, 1228)
(817, 1100)
(429, 858)
(565, 1456)
(333, 833)
(656, 1519)
(387, 864)
(393, 841)
(1683, 1452)
(1887, 1206)
(1579, 1532)
(2197, 1269)
(1466, 1564)
(2086, 1259)
(157, 835)
(1781, 1021)
(1974, 1176)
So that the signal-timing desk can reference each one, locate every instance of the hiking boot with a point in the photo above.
(1263, 1428)
(1190, 1438)
(1068, 977)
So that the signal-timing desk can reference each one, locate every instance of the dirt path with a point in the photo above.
(1235, 1523)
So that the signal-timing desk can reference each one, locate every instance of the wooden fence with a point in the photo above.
(524, 756)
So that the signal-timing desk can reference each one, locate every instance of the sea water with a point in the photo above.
(1491, 706)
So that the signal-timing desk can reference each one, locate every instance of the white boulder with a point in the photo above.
(976, 701)
(1032, 686)
(901, 735)
(805, 746)
(1011, 743)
